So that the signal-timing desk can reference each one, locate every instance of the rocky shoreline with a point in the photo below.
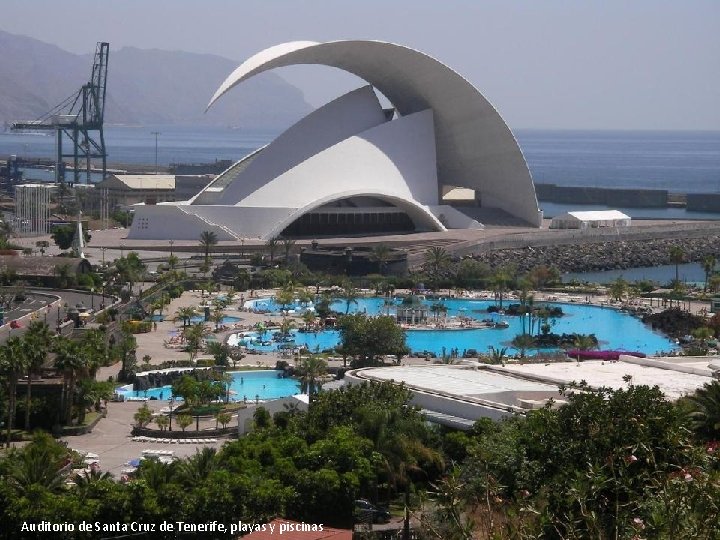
(613, 255)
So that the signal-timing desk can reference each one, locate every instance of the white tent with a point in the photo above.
(590, 219)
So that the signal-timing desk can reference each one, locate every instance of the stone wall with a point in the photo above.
(608, 255)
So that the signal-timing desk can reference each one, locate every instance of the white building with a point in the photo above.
(591, 219)
(352, 166)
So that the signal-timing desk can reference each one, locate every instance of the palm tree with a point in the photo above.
(522, 342)
(350, 294)
(618, 289)
(311, 369)
(39, 464)
(37, 345)
(500, 281)
(705, 414)
(380, 254)
(12, 363)
(193, 338)
(497, 356)
(70, 361)
(677, 256)
(287, 244)
(86, 482)
(709, 267)
(185, 314)
(63, 275)
(207, 240)
(584, 342)
(272, 246)
(286, 325)
(195, 470)
(437, 261)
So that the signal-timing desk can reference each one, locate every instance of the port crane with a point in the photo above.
(80, 119)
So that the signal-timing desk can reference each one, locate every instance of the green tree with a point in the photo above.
(523, 342)
(13, 362)
(350, 294)
(143, 416)
(162, 422)
(500, 282)
(368, 338)
(677, 257)
(705, 410)
(71, 362)
(272, 246)
(709, 263)
(584, 342)
(208, 239)
(287, 245)
(223, 418)
(618, 289)
(37, 341)
(261, 418)
(311, 370)
(381, 255)
(437, 263)
(129, 269)
(194, 335)
(220, 351)
(184, 420)
(37, 468)
(64, 234)
(184, 314)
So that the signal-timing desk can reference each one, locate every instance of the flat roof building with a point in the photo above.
(458, 395)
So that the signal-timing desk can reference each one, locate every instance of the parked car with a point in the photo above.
(365, 511)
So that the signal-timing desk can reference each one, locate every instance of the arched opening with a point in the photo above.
(357, 215)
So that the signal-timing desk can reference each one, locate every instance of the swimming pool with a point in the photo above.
(227, 319)
(614, 329)
(263, 384)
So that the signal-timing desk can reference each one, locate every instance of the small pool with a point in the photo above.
(227, 319)
(614, 329)
(263, 384)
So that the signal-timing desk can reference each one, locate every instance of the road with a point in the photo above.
(38, 304)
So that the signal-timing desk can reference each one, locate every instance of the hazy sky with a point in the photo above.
(632, 64)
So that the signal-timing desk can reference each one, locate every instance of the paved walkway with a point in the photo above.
(111, 440)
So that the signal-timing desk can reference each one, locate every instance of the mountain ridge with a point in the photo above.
(145, 86)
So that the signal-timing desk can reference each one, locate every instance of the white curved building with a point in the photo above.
(351, 167)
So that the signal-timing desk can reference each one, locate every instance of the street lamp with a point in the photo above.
(172, 242)
(156, 133)
(92, 298)
(103, 255)
(170, 402)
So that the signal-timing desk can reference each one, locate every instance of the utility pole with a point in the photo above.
(156, 133)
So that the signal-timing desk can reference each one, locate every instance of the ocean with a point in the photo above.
(679, 161)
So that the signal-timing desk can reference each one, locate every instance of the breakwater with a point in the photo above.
(628, 198)
(608, 255)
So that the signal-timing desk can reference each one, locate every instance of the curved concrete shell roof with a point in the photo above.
(475, 148)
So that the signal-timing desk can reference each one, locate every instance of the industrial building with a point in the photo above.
(122, 190)
(354, 167)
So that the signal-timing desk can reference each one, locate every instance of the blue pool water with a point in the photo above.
(614, 329)
(264, 384)
(227, 319)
